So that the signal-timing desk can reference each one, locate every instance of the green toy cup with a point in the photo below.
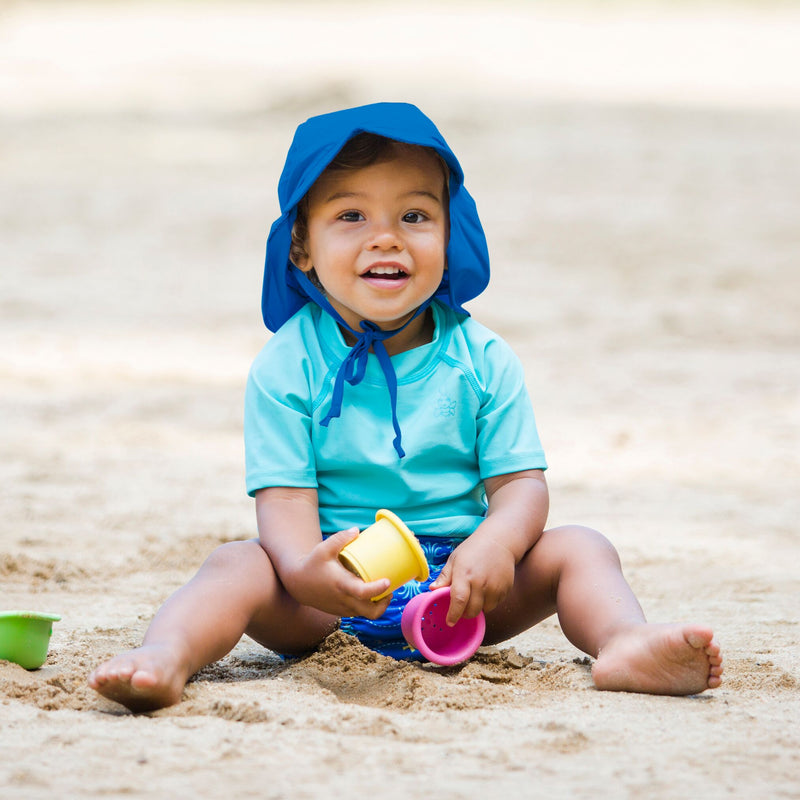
(25, 637)
(386, 549)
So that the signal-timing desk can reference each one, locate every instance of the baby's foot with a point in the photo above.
(659, 659)
(143, 679)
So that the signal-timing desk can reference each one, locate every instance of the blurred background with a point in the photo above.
(637, 168)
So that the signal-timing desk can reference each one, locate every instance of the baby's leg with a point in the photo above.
(236, 591)
(576, 572)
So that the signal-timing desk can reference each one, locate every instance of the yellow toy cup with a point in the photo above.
(387, 549)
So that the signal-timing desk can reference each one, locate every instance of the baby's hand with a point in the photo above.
(480, 573)
(321, 581)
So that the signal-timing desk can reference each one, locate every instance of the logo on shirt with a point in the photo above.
(445, 406)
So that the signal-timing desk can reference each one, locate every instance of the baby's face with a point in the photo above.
(377, 238)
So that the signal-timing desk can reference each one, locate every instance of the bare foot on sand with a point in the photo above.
(143, 679)
(659, 659)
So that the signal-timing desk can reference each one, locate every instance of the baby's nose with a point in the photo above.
(385, 237)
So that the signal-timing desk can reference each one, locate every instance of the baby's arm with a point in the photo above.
(309, 568)
(480, 571)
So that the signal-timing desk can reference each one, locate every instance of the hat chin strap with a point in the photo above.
(354, 366)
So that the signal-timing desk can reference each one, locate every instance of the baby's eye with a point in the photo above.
(351, 216)
(414, 217)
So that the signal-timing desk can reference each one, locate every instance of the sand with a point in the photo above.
(638, 171)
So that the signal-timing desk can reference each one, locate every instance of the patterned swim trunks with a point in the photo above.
(384, 635)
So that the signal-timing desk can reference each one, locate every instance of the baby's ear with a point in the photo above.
(302, 262)
(297, 252)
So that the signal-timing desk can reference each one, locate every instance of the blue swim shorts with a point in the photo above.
(384, 635)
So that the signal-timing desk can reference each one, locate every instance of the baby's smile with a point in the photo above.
(385, 271)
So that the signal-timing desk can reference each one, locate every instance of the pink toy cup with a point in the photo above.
(425, 628)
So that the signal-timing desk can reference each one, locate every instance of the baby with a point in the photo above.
(379, 390)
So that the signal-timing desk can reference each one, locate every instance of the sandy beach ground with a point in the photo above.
(637, 167)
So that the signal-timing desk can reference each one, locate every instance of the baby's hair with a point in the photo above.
(363, 150)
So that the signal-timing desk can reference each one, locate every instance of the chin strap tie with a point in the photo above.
(354, 366)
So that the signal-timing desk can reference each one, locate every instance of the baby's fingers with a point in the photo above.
(333, 545)
(466, 600)
(367, 590)
(443, 578)
(364, 606)
(459, 599)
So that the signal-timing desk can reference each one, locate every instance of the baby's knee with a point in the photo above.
(579, 539)
(236, 557)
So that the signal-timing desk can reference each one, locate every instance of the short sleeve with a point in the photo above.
(508, 439)
(277, 424)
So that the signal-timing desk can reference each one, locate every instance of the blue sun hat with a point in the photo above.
(286, 289)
